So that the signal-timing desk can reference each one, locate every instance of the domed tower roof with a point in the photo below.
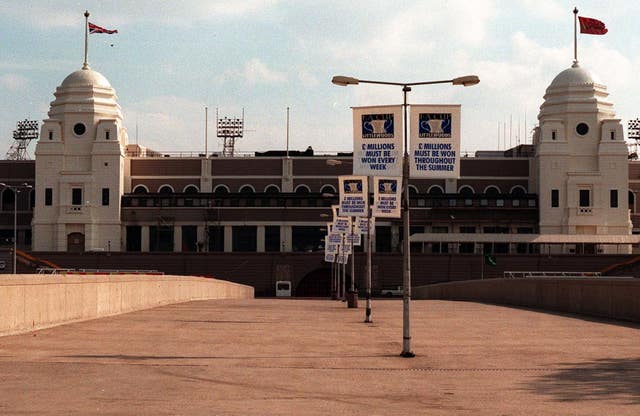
(576, 90)
(85, 90)
(85, 77)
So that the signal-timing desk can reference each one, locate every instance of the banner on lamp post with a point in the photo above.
(434, 141)
(387, 195)
(341, 225)
(377, 140)
(354, 196)
(362, 225)
(329, 257)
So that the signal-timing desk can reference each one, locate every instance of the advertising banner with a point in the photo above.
(354, 196)
(377, 140)
(362, 224)
(329, 257)
(342, 258)
(434, 141)
(355, 237)
(387, 194)
(341, 225)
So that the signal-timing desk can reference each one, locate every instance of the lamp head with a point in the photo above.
(466, 81)
(344, 81)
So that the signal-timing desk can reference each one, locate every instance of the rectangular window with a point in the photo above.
(48, 196)
(613, 198)
(134, 238)
(585, 198)
(244, 238)
(105, 196)
(106, 135)
(189, 238)
(76, 196)
(50, 135)
(383, 239)
(161, 238)
(553, 135)
(215, 236)
(271, 238)
(555, 198)
(613, 135)
(307, 239)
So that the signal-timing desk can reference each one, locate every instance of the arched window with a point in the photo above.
(190, 189)
(491, 190)
(165, 189)
(328, 189)
(272, 189)
(140, 189)
(302, 189)
(221, 190)
(466, 190)
(247, 189)
(518, 190)
(435, 190)
(413, 190)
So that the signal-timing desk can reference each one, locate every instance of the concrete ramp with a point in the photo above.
(31, 302)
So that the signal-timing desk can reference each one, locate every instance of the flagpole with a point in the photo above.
(575, 35)
(86, 40)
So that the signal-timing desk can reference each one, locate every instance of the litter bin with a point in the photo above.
(352, 299)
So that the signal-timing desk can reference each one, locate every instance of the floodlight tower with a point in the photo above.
(26, 131)
(633, 133)
(229, 129)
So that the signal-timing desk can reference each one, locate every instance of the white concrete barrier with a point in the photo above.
(29, 302)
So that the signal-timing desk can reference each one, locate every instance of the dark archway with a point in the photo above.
(315, 284)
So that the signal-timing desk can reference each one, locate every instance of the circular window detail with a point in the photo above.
(582, 129)
(79, 129)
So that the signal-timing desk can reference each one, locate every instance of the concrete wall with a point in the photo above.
(32, 302)
(616, 298)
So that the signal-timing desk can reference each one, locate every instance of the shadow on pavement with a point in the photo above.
(603, 379)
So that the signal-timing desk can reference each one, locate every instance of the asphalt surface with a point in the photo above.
(316, 357)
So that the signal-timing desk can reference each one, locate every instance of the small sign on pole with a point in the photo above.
(354, 196)
(387, 193)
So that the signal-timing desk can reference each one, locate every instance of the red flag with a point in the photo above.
(592, 26)
(97, 29)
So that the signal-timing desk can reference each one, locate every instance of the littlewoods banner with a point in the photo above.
(377, 136)
(434, 141)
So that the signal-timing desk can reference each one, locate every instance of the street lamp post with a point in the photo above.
(15, 190)
(465, 81)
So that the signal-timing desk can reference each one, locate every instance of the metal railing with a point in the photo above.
(526, 274)
(50, 270)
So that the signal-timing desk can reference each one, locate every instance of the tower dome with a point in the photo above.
(85, 77)
(576, 90)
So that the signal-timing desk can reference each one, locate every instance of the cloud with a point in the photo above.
(67, 13)
(13, 82)
(256, 71)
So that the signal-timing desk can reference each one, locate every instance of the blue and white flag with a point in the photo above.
(387, 193)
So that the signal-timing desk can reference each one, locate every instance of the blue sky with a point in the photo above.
(171, 59)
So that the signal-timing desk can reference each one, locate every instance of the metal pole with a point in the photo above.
(406, 258)
(15, 229)
(367, 315)
(206, 131)
(575, 35)
(86, 40)
(352, 286)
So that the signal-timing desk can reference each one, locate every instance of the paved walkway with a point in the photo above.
(315, 357)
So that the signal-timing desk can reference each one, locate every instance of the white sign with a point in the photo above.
(342, 258)
(434, 148)
(341, 225)
(377, 140)
(334, 238)
(355, 237)
(387, 194)
(362, 225)
(329, 257)
(354, 196)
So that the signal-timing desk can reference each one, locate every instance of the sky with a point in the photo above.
(170, 60)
